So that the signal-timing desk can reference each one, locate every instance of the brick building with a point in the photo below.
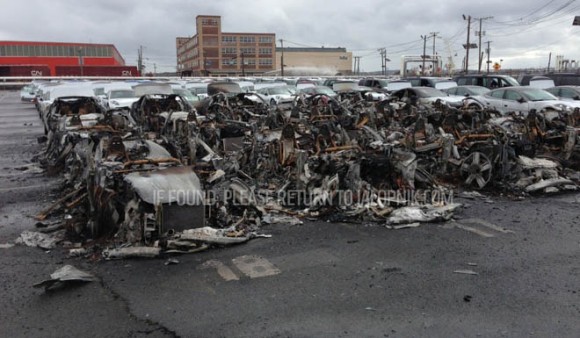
(213, 52)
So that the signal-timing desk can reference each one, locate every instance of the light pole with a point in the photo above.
(243, 66)
(243, 63)
(81, 61)
(423, 56)
(282, 57)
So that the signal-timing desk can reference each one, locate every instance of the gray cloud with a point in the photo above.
(521, 35)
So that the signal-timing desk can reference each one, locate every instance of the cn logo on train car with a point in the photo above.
(126, 73)
(35, 73)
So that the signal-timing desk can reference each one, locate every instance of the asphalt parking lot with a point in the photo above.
(499, 268)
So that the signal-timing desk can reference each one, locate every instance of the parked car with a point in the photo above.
(27, 93)
(120, 98)
(426, 95)
(566, 93)
(565, 79)
(467, 91)
(63, 90)
(346, 87)
(197, 88)
(319, 90)
(188, 95)
(432, 81)
(520, 99)
(374, 83)
(385, 84)
(279, 94)
(541, 82)
(71, 112)
(491, 81)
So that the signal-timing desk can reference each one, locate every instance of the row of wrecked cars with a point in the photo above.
(167, 177)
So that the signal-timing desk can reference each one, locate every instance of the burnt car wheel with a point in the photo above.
(476, 170)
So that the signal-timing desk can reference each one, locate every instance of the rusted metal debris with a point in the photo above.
(168, 177)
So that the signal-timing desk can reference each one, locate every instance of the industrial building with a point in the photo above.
(213, 52)
(314, 61)
(31, 58)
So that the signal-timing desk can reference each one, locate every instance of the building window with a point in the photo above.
(249, 51)
(209, 22)
(247, 39)
(265, 62)
(250, 62)
(228, 39)
(265, 39)
(265, 51)
(229, 51)
(229, 62)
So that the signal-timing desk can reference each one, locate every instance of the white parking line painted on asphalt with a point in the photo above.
(36, 186)
(473, 230)
(255, 266)
(250, 265)
(304, 259)
(225, 272)
(487, 224)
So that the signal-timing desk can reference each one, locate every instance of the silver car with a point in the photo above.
(522, 100)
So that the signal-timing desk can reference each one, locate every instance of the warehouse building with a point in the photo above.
(30, 58)
(314, 61)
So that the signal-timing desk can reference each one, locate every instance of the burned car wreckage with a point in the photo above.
(164, 176)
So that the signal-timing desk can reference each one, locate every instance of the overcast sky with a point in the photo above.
(522, 33)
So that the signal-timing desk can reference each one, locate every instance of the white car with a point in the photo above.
(197, 88)
(279, 94)
(521, 100)
(120, 98)
(27, 93)
(427, 95)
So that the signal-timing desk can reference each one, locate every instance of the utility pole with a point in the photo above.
(424, 37)
(81, 61)
(488, 51)
(383, 52)
(549, 61)
(433, 58)
(154, 69)
(243, 66)
(357, 65)
(468, 18)
(140, 60)
(282, 58)
(479, 34)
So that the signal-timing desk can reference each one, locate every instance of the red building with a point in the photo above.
(27, 58)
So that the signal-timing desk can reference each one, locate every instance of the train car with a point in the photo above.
(24, 70)
(128, 71)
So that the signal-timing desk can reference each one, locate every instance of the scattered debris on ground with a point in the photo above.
(167, 177)
(68, 274)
